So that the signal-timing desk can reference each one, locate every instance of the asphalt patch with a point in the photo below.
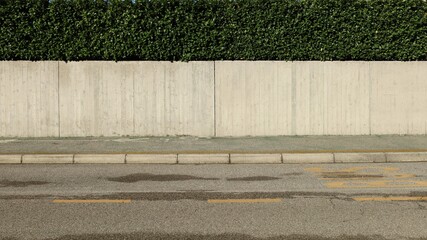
(224, 236)
(138, 177)
(7, 183)
(254, 178)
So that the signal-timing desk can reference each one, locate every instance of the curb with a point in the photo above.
(48, 158)
(255, 158)
(360, 157)
(203, 158)
(308, 158)
(243, 158)
(152, 158)
(99, 158)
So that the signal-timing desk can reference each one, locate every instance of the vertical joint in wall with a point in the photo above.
(59, 102)
(214, 98)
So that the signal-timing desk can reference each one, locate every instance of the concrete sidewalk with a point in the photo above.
(283, 149)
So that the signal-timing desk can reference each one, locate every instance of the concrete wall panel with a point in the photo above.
(175, 99)
(29, 99)
(97, 98)
(253, 98)
(292, 98)
(399, 98)
(331, 98)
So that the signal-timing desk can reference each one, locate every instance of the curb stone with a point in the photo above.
(99, 158)
(174, 158)
(308, 158)
(10, 159)
(360, 157)
(48, 158)
(152, 158)
(406, 157)
(203, 158)
(255, 158)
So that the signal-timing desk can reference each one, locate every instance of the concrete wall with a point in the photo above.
(136, 98)
(253, 98)
(299, 98)
(223, 98)
(29, 99)
(398, 98)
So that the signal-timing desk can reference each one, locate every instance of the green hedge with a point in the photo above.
(184, 30)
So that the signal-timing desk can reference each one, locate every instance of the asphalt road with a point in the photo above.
(325, 201)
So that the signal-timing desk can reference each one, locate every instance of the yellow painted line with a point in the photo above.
(403, 198)
(353, 169)
(260, 200)
(377, 184)
(91, 201)
(348, 179)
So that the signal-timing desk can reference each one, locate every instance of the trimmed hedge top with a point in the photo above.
(184, 30)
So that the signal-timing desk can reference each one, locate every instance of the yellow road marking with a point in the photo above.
(405, 175)
(91, 201)
(403, 198)
(260, 200)
(377, 184)
(353, 169)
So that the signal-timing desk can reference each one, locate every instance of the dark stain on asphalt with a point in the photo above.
(224, 236)
(6, 183)
(204, 196)
(137, 177)
(26, 197)
(190, 191)
(293, 174)
(254, 178)
(346, 175)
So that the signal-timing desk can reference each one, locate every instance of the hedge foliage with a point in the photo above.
(184, 30)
